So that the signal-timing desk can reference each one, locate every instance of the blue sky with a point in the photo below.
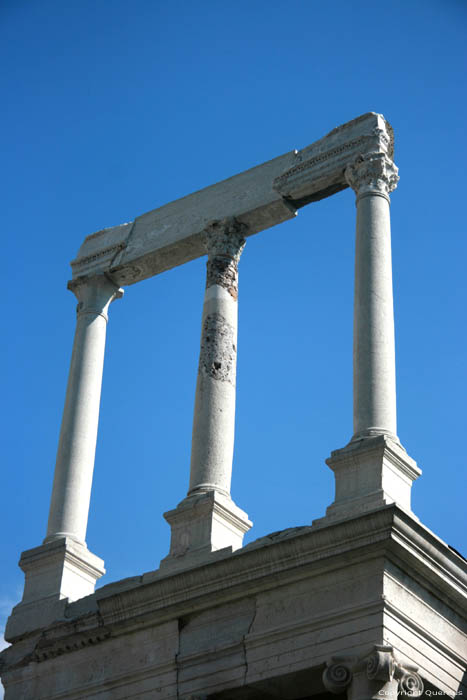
(111, 109)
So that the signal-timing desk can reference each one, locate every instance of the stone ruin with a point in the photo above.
(364, 601)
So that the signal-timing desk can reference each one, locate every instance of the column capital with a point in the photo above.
(224, 242)
(94, 294)
(377, 674)
(373, 173)
(338, 674)
(225, 238)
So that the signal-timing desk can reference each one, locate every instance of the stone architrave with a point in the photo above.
(259, 198)
(208, 520)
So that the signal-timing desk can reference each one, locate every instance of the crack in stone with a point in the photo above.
(250, 626)
(177, 668)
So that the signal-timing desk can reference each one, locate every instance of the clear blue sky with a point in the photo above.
(111, 109)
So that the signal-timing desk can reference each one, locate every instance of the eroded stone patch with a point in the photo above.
(224, 272)
(218, 350)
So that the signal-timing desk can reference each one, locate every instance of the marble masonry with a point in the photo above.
(365, 602)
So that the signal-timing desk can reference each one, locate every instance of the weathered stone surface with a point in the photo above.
(258, 198)
(208, 520)
(372, 173)
(218, 355)
(203, 523)
(369, 473)
(266, 619)
(365, 601)
(214, 414)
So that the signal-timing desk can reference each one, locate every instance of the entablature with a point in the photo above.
(258, 198)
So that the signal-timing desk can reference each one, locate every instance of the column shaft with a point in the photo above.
(374, 355)
(373, 177)
(373, 470)
(214, 414)
(62, 568)
(77, 444)
(207, 519)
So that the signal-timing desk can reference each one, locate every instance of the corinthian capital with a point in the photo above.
(225, 238)
(224, 242)
(372, 173)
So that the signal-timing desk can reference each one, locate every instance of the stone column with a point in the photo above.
(208, 519)
(74, 467)
(62, 568)
(376, 676)
(214, 416)
(373, 178)
(374, 469)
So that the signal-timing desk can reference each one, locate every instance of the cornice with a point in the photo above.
(306, 552)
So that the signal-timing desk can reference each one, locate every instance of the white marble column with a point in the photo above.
(63, 568)
(373, 178)
(373, 470)
(74, 467)
(207, 519)
(214, 415)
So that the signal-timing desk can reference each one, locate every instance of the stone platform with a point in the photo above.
(297, 614)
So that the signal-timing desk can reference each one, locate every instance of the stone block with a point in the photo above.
(370, 473)
(56, 573)
(259, 198)
(202, 524)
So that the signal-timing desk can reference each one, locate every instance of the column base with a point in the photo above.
(370, 473)
(202, 524)
(56, 573)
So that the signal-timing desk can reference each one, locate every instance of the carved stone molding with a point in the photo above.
(409, 682)
(46, 649)
(94, 294)
(337, 675)
(380, 665)
(224, 243)
(374, 173)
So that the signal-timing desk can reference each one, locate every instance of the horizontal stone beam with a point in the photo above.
(258, 198)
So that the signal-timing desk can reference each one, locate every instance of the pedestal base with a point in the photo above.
(55, 573)
(370, 473)
(202, 524)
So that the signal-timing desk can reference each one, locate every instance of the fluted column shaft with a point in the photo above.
(77, 444)
(373, 177)
(214, 414)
